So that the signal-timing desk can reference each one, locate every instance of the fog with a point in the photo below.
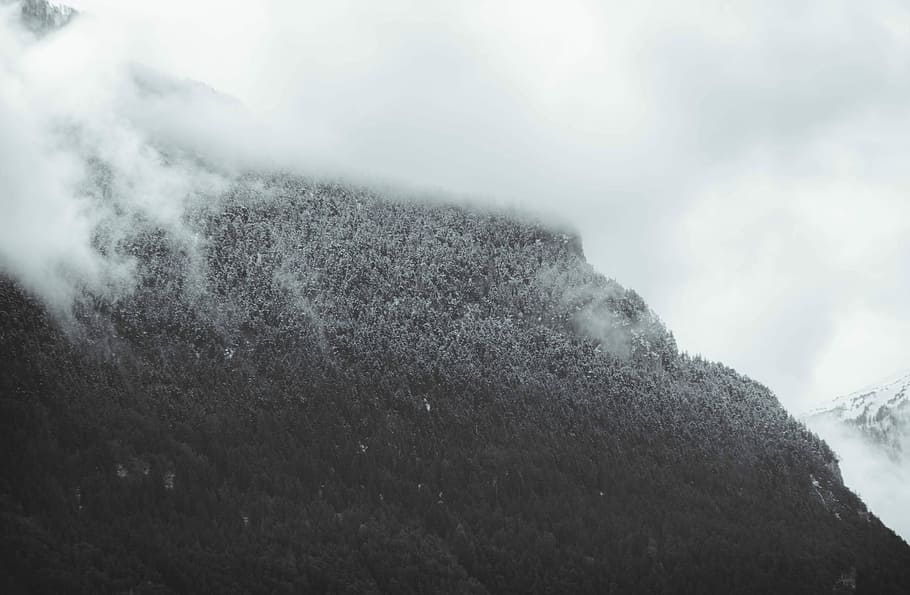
(882, 481)
(740, 164)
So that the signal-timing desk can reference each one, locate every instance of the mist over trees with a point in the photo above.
(218, 377)
(870, 431)
(321, 389)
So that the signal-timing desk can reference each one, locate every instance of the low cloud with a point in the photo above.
(93, 146)
(881, 480)
(740, 164)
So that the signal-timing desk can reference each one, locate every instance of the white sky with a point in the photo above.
(740, 164)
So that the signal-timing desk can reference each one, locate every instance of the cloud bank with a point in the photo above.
(95, 144)
(739, 163)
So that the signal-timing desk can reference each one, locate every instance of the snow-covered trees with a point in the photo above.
(331, 390)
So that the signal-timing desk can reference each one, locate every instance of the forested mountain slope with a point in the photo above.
(312, 388)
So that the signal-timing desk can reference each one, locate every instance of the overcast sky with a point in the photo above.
(743, 165)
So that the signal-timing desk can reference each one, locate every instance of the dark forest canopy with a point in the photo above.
(312, 388)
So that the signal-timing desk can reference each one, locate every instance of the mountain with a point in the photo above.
(870, 431)
(881, 414)
(42, 16)
(272, 383)
(312, 387)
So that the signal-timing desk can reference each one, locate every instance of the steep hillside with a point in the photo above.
(312, 388)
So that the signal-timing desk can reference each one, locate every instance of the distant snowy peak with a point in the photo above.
(865, 405)
(881, 413)
(42, 16)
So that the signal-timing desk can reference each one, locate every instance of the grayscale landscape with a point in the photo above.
(468, 297)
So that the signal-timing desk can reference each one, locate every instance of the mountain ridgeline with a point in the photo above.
(880, 415)
(314, 388)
